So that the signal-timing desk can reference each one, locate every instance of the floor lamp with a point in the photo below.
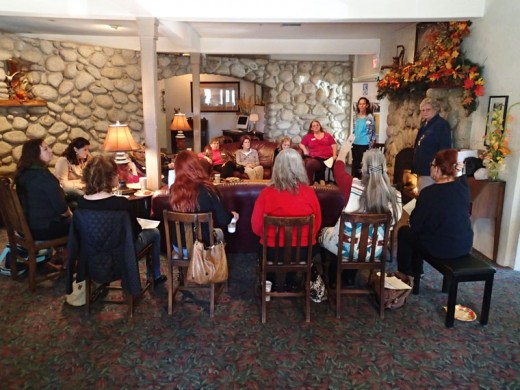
(180, 124)
(120, 140)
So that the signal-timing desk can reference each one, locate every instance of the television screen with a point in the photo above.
(242, 122)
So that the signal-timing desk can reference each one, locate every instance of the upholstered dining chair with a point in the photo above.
(366, 237)
(101, 249)
(18, 233)
(287, 258)
(180, 236)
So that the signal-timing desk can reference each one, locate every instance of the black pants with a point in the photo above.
(357, 159)
(226, 169)
(410, 251)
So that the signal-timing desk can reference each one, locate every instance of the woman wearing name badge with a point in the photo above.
(41, 196)
(364, 134)
(317, 146)
(372, 194)
(213, 158)
(440, 224)
(247, 158)
(100, 175)
(193, 192)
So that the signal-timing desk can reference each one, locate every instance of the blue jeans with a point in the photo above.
(146, 237)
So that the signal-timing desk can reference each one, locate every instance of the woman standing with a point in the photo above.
(41, 196)
(289, 195)
(192, 192)
(217, 159)
(100, 175)
(440, 223)
(69, 167)
(317, 146)
(248, 159)
(364, 134)
(434, 135)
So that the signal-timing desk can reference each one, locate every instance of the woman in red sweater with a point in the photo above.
(288, 195)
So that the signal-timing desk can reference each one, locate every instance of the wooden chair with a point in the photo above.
(103, 243)
(287, 258)
(183, 225)
(368, 252)
(18, 233)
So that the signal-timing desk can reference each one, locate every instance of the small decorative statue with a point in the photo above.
(18, 82)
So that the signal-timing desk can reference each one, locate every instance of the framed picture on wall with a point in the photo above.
(495, 102)
(259, 95)
(425, 33)
(218, 96)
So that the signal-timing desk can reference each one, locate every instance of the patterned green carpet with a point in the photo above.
(46, 344)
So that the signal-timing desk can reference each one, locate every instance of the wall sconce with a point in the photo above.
(180, 124)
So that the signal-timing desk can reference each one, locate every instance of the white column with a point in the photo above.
(148, 41)
(195, 72)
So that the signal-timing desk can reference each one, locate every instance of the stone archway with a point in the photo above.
(297, 91)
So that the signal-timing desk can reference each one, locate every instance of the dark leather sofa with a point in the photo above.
(265, 151)
(241, 198)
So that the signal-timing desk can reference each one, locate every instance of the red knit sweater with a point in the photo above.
(285, 204)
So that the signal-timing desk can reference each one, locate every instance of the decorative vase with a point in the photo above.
(493, 172)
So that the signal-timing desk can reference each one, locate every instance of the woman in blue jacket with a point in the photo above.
(364, 134)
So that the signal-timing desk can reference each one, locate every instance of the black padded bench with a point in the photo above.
(462, 269)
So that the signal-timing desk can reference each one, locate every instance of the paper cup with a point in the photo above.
(268, 285)
(143, 183)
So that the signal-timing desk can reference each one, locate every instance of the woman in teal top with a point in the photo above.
(364, 134)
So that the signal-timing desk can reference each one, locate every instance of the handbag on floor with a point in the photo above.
(393, 298)
(208, 265)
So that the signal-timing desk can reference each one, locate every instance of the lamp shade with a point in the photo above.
(119, 139)
(180, 123)
(253, 117)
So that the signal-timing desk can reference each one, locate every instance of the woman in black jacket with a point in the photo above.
(440, 224)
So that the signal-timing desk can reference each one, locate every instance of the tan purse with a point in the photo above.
(208, 265)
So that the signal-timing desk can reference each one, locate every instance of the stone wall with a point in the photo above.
(88, 88)
(296, 92)
(404, 120)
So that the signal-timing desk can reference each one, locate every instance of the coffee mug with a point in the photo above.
(143, 183)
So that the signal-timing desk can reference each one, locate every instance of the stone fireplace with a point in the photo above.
(404, 120)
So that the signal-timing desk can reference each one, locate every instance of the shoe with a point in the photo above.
(160, 280)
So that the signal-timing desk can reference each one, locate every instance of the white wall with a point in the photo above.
(178, 95)
(493, 42)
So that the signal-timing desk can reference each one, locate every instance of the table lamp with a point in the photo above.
(253, 118)
(180, 124)
(120, 140)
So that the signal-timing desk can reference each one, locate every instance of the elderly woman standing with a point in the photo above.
(440, 224)
(247, 158)
(41, 196)
(434, 135)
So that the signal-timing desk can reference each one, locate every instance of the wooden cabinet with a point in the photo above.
(487, 201)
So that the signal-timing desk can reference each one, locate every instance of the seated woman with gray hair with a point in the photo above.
(372, 194)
